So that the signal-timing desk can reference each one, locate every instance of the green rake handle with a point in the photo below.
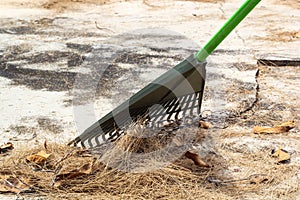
(235, 19)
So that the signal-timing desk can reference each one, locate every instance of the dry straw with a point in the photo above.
(178, 180)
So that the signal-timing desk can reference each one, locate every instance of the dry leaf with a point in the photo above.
(282, 128)
(282, 155)
(288, 124)
(6, 147)
(171, 126)
(40, 158)
(85, 169)
(197, 160)
(45, 145)
(205, 125)
(13, 184)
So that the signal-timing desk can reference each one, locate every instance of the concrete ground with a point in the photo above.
(253, 77)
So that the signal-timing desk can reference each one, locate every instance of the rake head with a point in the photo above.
(174, 96)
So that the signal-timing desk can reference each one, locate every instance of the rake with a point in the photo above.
(174, 96)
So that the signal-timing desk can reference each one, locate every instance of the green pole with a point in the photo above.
(233, 21)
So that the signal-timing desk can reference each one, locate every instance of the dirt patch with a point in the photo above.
(84, 48)
(206, 1)
(22, 133)
(53, 56)
(51, 125)
(286, 36)
(292, 3)
(38, 79)
(62, 5)
(41, 125)
(143, 59)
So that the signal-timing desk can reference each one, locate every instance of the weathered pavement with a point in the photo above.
(45, 44)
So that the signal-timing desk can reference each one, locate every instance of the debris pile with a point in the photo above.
(58, 171)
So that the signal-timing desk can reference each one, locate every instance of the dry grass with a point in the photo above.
(178, 180)
(175, 180)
